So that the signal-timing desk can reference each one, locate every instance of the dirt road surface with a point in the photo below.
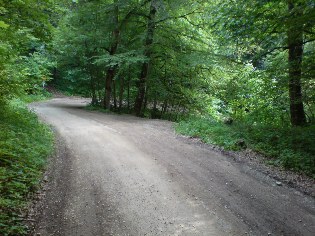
(122, 175)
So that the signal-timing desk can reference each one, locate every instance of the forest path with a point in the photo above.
(122, 175)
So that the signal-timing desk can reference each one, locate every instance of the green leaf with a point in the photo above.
(3, 24)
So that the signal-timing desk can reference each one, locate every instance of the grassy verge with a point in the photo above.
(40, 96)
(292, 148)
(97, 108)
(24, 145)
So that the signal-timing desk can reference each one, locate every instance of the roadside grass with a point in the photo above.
(97, 108)
(291, 148)
(39, 96)
(149, 113)
(24, 145)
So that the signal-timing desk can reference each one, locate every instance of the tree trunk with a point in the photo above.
(145, 66)
(164, 107)
(295, 45)
(155, 112)
(99, 92)
(145, 103)
(93, 91)
(121, 92)
(114, 91)
(111, 72)
(128, 95)
(108, 86)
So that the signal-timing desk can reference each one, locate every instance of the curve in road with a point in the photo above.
(122, 175)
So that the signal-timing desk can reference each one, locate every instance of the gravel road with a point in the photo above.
(122, 175)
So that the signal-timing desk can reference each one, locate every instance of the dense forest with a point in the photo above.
(244, 60)
(239, 74)
(247, 61)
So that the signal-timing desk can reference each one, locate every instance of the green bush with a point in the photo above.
(290, 147)
(24, 145)
(40, 95)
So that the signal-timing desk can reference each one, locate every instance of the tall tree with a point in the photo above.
(111, 71)
(147, 53)
(295, 47)
(264, 29)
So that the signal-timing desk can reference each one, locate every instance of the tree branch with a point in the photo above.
(177, 17)
(132, 12)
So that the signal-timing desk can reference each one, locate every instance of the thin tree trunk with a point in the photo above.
(128, 96)
(111, 72)
(121, 91)
(295, 45)
(114, 91)
(99, 92)
(155, 103)
(108, 86)
(55, 74)
(146, 98)
(145, 66)
(93, 90)
(164, 109)
(90, 70)
(155, 111)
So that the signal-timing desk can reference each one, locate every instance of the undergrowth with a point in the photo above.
(39, 96)
(24, 145)
(96, 108)
(291, 148)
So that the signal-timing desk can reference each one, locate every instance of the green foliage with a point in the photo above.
(207, 58)
(24, 145)
(24, 33)
(289, 147)
(210, 131)
(97, 108)
(222, 71)
(210, 59)
(260, 34)
(39, 96)
(128, 58)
